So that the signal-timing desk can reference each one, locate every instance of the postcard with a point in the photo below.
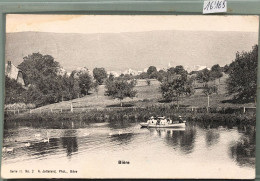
(130, 96)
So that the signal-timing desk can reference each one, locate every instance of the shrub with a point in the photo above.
(17, 106)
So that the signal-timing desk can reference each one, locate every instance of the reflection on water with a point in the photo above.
(122, 139)
(69, 142)
(182, 138)
(212, 137)
(194, 144)
(243, 151)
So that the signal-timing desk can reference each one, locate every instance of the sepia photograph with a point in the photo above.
(130, 96)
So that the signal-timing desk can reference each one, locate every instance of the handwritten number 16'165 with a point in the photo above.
(215, 5)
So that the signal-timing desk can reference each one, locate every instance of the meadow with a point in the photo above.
(150, 95)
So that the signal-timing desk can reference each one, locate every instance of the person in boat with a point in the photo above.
(163, 121)
(180, 119)
(157, 121)
(151, 120)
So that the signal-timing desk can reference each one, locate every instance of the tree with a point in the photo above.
(175, 85)
(226, 69)
(96, 87)
(111, 77)
(70, 86)
(189, 87)
(41, 76)
(37, 65)
(203, 75)
(242, 80)
(14, 91)
(216, 72)
(127, 76)
(99, 74)
(85, 83)
(120, 89)
(208, 90)
(154, 75)
(152, 72)
(171, 70)
(180, 70)
(216, 68)
(143, 75)
(48, 91)
(35, 95)
(192, 78)
(75, 90)
(161, 75)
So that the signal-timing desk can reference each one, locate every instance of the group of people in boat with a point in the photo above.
(163, 121)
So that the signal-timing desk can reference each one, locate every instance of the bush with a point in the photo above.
(16, 106)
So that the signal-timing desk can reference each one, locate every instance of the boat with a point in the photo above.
(162, 122)
(174, 125)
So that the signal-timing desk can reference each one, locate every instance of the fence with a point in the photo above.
(224, 110)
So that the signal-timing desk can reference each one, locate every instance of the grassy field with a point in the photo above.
(150, 95)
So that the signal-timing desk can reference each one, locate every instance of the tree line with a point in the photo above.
(45, 84)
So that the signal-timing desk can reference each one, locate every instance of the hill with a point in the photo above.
(137, 50)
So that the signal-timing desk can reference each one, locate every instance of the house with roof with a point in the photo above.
(13, 72)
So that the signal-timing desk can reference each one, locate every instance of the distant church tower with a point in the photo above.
(169, 65)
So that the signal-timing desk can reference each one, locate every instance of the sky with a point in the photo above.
(128, 23)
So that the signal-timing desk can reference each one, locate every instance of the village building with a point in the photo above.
(13, 72)
(115, 73)
(130, 72)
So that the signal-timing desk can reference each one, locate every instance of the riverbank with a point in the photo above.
(75, 120)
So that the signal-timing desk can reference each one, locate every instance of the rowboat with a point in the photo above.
(162, 122)
(174, 125)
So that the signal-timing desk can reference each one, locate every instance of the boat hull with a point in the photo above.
(177, 125)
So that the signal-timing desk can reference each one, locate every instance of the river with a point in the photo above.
(96, 151)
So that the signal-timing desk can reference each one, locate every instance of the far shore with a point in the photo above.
(124, 116)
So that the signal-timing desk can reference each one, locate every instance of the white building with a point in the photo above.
(13, 72)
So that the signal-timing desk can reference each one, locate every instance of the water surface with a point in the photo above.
(97, 149)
